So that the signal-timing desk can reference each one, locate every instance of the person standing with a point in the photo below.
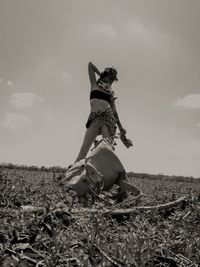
(103, 118)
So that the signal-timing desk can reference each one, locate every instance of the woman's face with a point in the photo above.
(110, 77)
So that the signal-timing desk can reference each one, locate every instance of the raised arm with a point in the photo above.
(92, 69)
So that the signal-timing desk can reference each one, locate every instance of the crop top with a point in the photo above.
(101, 95)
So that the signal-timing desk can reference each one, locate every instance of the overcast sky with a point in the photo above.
(45, 47)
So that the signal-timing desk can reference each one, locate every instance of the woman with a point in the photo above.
(103, 118)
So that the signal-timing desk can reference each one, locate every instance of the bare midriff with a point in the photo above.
(98, 105)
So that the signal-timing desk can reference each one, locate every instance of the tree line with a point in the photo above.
(58, 169)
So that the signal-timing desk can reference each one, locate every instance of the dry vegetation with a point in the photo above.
(56, 235)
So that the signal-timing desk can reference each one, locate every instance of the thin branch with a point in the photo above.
(33, 209)
(132, 210)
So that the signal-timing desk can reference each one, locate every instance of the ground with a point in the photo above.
(56, 234)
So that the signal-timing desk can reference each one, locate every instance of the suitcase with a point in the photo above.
(100, 171)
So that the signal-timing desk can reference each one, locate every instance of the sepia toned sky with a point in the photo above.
(45, 46)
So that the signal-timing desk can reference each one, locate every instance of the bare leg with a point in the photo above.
(90, 136)
(106, 134)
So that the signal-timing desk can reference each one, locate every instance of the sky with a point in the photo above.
(45, 47)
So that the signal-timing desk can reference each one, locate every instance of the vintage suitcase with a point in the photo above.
(100, 171)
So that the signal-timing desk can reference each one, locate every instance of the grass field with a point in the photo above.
(57, 236)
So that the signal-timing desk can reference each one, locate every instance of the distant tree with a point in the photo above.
(43, 168)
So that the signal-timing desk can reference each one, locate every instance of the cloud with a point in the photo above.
(198, 124)
(135, 26)
(101, 29)
(146, 33)
(25, 100)
(189, 101)
(10, 83)
(15, 120)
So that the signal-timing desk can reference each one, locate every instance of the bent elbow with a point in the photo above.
(90, 64)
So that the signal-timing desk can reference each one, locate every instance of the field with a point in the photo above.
(42, 225)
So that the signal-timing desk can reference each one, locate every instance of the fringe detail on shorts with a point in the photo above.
(108, 118)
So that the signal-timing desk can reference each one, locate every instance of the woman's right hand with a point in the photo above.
(94, 68)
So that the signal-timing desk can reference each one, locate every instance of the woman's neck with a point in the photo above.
(104, 84)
